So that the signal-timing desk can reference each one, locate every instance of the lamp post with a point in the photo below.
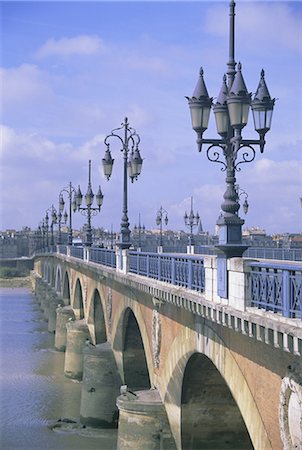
(231, 150)
(60, 217)
(46, 227)
(53, 216)
(159, 222)
(43, 229)
(89, 210)
(139, 229)
(191, 221)
(132, 164)
(70, 191)
(111, 237)
(41, 235)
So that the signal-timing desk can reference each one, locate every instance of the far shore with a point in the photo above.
(16, 282)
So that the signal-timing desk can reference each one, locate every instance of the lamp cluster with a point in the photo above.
(232, 107)
(88, 210)
(191, 221)
(132, 166)
(231, 112)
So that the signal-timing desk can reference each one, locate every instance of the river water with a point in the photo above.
(34, 393)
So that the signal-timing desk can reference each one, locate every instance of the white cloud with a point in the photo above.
(280, 173)
(256, 24)
(78, 45)
(26, 82)
(28, 147)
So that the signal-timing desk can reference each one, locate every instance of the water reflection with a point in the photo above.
(34, 393)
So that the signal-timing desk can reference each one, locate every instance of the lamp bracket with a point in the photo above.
(93, 211)
(214, 155)
(247, 155)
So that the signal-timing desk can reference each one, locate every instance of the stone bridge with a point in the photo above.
(174, 367)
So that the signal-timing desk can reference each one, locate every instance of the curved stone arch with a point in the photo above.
(58, 279)
(52, 275)
(66, 289)
(204, 340)
(78, 300)
(96, 318)
(43, 269)
(118, 336)
(48, 278)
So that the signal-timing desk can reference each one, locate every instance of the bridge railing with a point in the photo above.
(186, 271)
(103, 256)
(277, 287)
(286, 254)
(77, 252)
(62, 249)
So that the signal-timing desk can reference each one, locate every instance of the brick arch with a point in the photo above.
(52, 275)
(58, 279)
(205, 341)
(78, 300)
(66, 289)
(96, 318)
(118, 335)
(44, 269)
(48, 273)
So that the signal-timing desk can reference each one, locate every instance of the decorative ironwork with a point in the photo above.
(277, 288)
(216, 156)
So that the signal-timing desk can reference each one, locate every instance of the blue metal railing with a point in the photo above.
(274, 286)
(186, 271)
(77, 252)
(286, 254)
(103, 256)
(62, 249)
(277, 287)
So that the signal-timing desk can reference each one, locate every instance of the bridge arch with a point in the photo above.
(53, 276)
(78, 304)
(200, 347)
(210, 417)
(58, 282)
(134, 360)
(96, 319)
(48, 273)
(43, 269)
(66, 289)
(131, 347)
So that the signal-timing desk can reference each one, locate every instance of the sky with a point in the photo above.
(72, 71)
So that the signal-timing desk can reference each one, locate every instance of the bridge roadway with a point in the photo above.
(197, 371)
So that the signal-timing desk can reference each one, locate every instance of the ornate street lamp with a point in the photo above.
(46, 225)
(140, 229)
(88, 210)
(53, 216)
(132, 165)
(61, 217)
(41, 234)
(111, 236)
(231, 113)
(159, 222)
(191, 221)
(70, 191)
(240, 192)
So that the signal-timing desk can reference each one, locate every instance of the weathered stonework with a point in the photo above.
(250, 348)
(291, 408)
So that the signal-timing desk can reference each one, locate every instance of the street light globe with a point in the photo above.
(262, 107)
(200, 106)
(221, 110)
(107, 163)
(238, 102)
